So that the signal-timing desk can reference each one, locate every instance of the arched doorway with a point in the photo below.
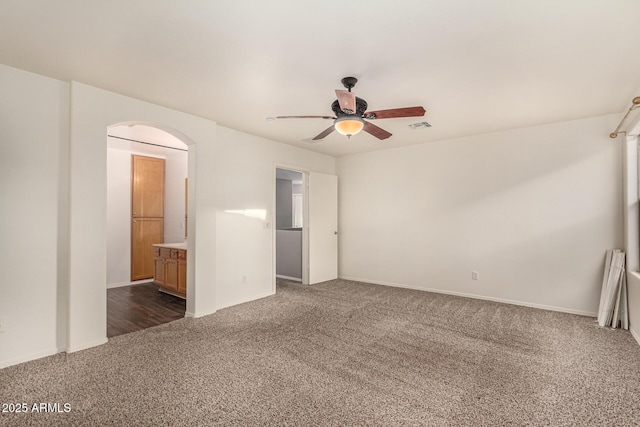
(139, 293)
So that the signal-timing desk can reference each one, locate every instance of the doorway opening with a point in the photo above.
(147, 193)
(290, 226)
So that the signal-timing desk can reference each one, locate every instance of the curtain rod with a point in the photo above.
(635, 103)
(147, 143)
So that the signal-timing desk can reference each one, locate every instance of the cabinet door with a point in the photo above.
(182, 278)
(171, 274)
(147, 187)
(158, 277)
(144, 233)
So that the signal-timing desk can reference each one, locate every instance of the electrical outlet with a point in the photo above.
(475, 275)
(244, 279)
(3, 325)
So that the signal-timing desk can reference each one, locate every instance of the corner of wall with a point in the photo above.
(635, 334)
(62, 293)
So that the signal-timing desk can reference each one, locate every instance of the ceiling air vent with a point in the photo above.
(420, 125)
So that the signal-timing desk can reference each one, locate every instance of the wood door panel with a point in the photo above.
(147, 187)
(144, 233)
(171, 271)
(182, 277)
(171, 274)
(158, 276)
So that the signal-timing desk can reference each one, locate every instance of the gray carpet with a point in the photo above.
(345, 353)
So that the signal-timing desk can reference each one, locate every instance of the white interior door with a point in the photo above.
(323, 227)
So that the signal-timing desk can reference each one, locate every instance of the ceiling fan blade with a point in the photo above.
(304, 117)
(376, 131)
(347, 101)
(395, 113)
(324, 133)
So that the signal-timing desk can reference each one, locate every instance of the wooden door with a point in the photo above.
(147, 187)
(147, 213)
(144, 233)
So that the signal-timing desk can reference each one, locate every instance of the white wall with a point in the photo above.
(119, 154)
(289, 254)
(631, 225)
(54, 166)
(633, 286)
(118, 217)
(284, 203)
(532, 210)
(245, 174)
(232, 170)
(176, 170)
(92, 112)
(34, 137)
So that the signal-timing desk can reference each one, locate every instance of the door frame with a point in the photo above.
(190, 149)
(305, 220)
(132, 212)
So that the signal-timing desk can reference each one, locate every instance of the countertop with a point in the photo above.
(180, 245)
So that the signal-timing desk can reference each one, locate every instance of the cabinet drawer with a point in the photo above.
(174, 253)
(165, 252)
(156, 252)
(182, 255)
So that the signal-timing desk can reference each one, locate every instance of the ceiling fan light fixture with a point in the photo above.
(349, 125)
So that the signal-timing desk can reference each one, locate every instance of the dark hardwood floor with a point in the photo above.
(136, 307)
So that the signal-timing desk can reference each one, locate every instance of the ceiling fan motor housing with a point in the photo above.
(349, 82)
(361, 107)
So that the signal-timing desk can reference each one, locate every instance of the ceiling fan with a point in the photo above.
(350, 112)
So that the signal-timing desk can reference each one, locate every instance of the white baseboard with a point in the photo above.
(294, 279)
(236, 302)
(88, 344)
(635, 335)
(199, 314)
(120, 285)
(481, 297)
(51, 352)
(29, 357)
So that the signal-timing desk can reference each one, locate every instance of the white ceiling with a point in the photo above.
(476, 66)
